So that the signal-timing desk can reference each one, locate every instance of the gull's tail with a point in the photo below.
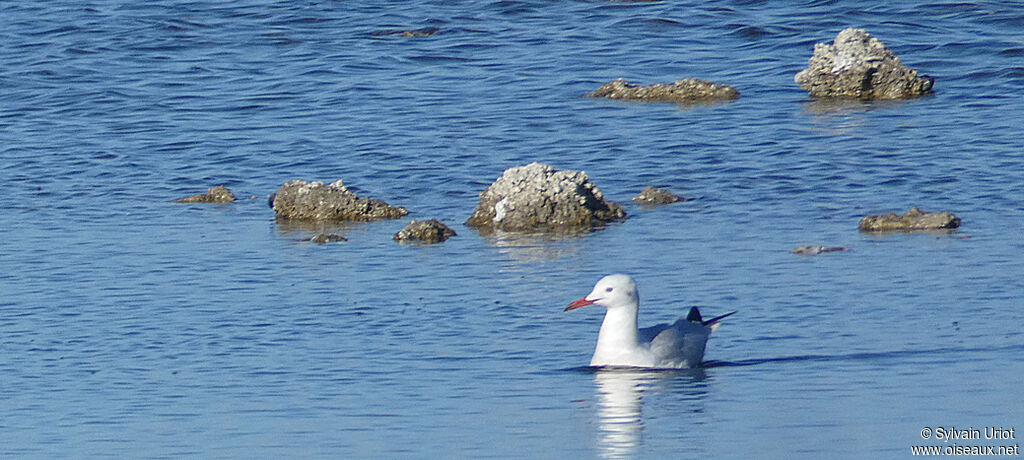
(695, 317)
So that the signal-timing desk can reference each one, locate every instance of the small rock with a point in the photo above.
(536, 197)
(857, 65)
(302, 200)
(914, 220)
(217, 194)
(683, 91)
(422, 32)
(427, 231)
(324, 238)
(653, 196)
(815, 250)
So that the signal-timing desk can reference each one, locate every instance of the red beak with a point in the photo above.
(579, 303)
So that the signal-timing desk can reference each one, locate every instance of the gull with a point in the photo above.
(620, 343)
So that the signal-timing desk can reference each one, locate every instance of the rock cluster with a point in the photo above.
(537, 197)
(217, 194)
(914, 220)
(425, 231)
(683, 91)
(655, 196)
(857, 65)
(298, 199)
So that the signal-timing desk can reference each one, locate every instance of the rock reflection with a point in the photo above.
(620, 395)
(313, 231)
(535, 247)
(848, 106)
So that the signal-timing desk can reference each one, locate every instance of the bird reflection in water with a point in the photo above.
(620, 393)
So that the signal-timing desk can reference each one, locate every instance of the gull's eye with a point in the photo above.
(608, 289)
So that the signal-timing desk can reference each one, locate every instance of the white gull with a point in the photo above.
(620, 343)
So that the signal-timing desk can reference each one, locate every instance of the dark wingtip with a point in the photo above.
(718, 318)
(694, 316)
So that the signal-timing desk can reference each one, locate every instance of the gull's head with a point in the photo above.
(612, 291)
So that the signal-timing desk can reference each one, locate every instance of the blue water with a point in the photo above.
(134, 327)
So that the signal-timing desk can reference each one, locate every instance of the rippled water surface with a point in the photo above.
(131, 326)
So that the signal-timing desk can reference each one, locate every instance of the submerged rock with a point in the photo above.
(857, 65)
(914, 220)
(536, 197)
(815, 250)
(683, 91)
(298, 199)
(427, 231)
(324, 238)
(422, 32)
(217, 194)
(654, 196)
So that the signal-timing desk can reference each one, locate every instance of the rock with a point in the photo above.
(427, 231)
(913, 220)
(217, 194)
(423, 32)
(324, 238)
(689, 90)
(815, 250)
(857, 65)
(536, 197)
(654, 196)
(298, 199)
